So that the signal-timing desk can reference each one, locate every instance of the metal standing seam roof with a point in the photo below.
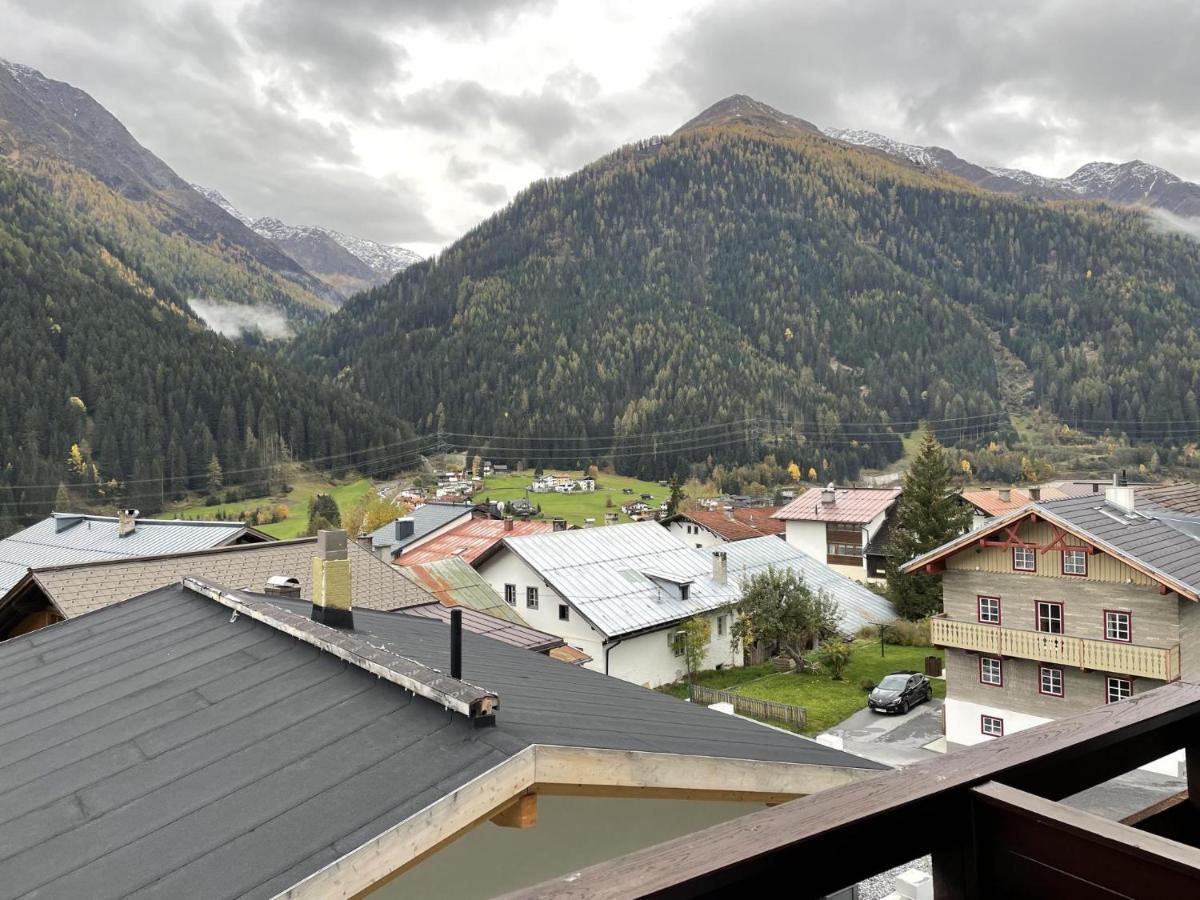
(161, 747)
(1163, 542)
(857, 605)
(482, 623)
(468, 540)
(79, 589)
(427, 517)
(455, 583)
(65, 538)
(601, 571)
(852, 505)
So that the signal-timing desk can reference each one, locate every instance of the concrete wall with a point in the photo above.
(646, 659)
(963, 723)
(694, 535)
(809, 538)
(1155, 617)
(571, 833)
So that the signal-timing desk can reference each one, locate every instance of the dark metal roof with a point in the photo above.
(427, 518)
(482, 623)
(163, 746)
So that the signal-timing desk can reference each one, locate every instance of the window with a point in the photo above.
(852, 550)
(564, 614)
(1117, 626)
(1074, 562)
(1024, 559)
(1117, 689)
(510, 594)
(531, 598)
(685, 591)
(1049, 617)
(992, 726)
(675, 642)
(1050, 681)
(720, 626)
(989, 610)
(990, 671)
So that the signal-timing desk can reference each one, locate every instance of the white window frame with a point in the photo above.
(980, 600)
(531, 597)
(1117, 616)
(986, 671)
(1120, 693)
(1032, 559)
(1050, 605)
(1070, 558)
(510, 594)
(992, 726)
(1056, 680)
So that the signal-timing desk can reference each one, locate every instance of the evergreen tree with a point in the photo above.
(323, 513)
(676, 496)
(927, 515)
(62, 499)
(216, 480)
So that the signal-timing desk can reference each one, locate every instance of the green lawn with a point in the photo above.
(574, 507)
(346, 495)
(827, 701)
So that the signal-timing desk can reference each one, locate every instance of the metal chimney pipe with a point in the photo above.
(456, 643)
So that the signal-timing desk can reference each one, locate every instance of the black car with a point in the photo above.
(899, 692)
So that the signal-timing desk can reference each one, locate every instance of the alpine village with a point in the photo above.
(740, 507)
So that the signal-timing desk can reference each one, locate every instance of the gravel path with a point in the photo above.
(879, 886)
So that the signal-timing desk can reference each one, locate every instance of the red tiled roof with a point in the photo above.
(746, 523)
(468, 541)
(854, 505)
(988, 500)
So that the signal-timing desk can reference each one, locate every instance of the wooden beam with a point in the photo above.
(934, 567)
(1056, 759)
(520, 814)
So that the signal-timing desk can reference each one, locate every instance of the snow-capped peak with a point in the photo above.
(217, 198)
(1098, 177)
(918, 155)
(19, 70)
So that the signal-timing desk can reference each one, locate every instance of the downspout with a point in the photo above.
(607, 649)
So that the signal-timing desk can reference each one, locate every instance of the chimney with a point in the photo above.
(126, 522)
(829, 495)
(1035, 494)
(331, 581)
(404, 528)
(561, 524)
(282, 586)
(1005, 494)
(508, 523)
(720, 567)
(1120, 494)
(456, 643)
(729, 513)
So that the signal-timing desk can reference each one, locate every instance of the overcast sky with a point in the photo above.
(409, 121)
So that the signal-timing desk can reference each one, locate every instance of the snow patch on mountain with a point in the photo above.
(218, 199)
(1029, 179)
(17, 70)
(1103, 177)
(917, 155)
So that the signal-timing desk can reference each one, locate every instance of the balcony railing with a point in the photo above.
(1103, 656)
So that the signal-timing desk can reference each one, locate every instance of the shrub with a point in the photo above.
(899, 633)
(835, 656)
(867, 685)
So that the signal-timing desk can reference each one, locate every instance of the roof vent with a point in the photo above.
(1005, 494)
(560, 524)
(404, 528)
(126, 522)
(1035, 494)
(282, 586)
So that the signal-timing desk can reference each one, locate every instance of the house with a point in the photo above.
(618, 594)
(203, 741)
(835, 525)
(703, 528)
(857, 605)
(1061, 605)
(424, 523)
(469, 539)
(53, 593)
(65, 538)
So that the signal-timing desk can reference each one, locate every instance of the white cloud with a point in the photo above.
(233, 320)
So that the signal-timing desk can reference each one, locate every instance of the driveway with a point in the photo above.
(894, 740)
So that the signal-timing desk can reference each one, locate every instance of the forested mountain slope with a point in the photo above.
(97, 354)
(740, 269)
(59, 135)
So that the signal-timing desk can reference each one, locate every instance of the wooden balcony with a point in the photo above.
(1102, 656)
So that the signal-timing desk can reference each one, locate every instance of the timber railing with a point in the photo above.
(1140, 661)
(766, 710)
(988, 814)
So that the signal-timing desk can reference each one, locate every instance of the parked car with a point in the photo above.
(899, 692)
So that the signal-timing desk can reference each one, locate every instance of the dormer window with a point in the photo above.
(685, 591)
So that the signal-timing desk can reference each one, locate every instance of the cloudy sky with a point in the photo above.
(411, 120)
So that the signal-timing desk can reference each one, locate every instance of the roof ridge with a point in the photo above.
(207, 551)
(468, 699)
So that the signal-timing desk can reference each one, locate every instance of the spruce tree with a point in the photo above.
(323, 513)
(928, 514)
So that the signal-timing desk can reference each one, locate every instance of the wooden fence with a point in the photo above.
(767, 710)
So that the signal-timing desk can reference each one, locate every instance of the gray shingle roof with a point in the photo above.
(603, 573)
(426, 518)
(79, 589)
(164, 747)
(62, 539)
(858, 605)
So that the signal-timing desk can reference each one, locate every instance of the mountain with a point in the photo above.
(69, 143)
(109, 384)
(747, 267)
(347, 264)
(1130, 183)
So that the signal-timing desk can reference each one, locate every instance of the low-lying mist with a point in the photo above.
(234, 320)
